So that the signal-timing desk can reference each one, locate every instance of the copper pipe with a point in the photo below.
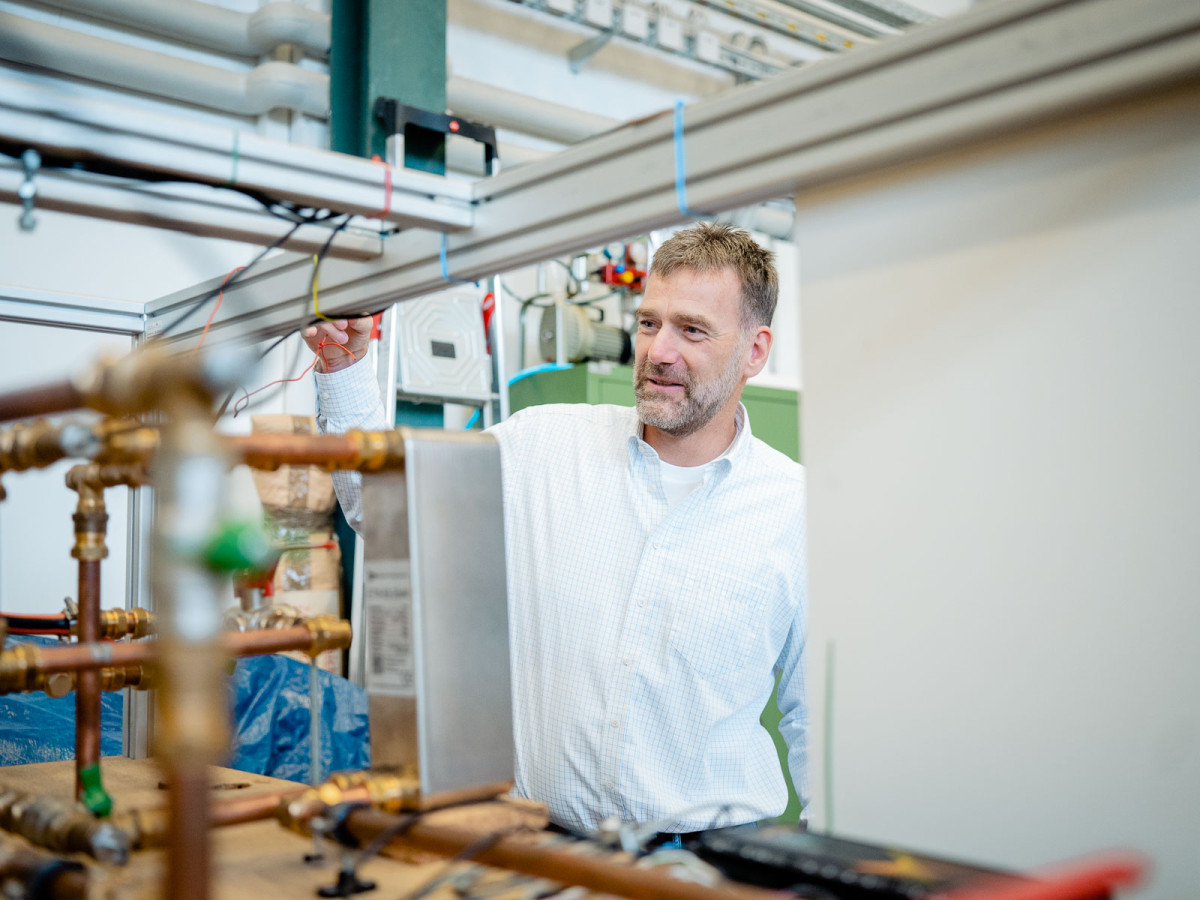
(520, 855)
(60, 396)
(87, 682)
(148, 827)
(188, 852)
(363, 450)
(21, 666)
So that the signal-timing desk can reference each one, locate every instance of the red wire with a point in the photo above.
(31, 615)
(320, 354)
(27, 631)
(387, 187)
(220, 296)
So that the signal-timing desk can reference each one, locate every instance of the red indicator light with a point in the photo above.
(453, 125)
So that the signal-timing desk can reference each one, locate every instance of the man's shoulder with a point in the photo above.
(576, 415)
(778, 465)
(560, 426)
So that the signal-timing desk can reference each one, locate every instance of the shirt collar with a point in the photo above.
(737, 450)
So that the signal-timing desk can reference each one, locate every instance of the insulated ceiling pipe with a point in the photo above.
(213, 27)
(268, 86)
(520, 112)
(271, 85)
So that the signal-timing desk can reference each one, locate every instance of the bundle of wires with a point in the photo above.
(37, 624)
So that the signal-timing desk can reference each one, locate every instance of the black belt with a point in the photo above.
(672, 839)
(662, 839)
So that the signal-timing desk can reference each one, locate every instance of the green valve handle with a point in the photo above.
(94, 797)
(240, 546)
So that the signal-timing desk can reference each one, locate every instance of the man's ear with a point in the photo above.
(760, 349)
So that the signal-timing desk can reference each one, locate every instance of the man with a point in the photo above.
(656, 561)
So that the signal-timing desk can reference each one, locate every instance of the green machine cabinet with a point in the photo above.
(774, 418)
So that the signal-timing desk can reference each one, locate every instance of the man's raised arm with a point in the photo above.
(347, 395)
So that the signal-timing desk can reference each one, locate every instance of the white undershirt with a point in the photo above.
(679, 481)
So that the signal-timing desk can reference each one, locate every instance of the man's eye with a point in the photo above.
(693, 331)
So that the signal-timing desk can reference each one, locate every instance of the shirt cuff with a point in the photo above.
(345, 388)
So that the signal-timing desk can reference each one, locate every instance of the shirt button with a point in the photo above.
(641, 603)
(657, 545)
(609, 785)
(627, 661)
(615, 723)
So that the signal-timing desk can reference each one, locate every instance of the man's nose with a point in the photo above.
(663, 349)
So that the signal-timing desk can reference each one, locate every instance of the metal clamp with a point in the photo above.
(31, 160)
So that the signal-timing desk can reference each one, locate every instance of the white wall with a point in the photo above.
(1000, 416)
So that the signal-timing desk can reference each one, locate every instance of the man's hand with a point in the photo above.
(353, 334)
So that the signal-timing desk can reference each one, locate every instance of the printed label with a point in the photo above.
(387, 618)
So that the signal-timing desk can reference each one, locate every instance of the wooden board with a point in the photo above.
(257, 860)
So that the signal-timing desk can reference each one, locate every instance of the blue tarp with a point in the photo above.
(271, 718)
(270, 715)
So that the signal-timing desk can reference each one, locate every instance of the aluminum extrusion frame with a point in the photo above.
(950, 85)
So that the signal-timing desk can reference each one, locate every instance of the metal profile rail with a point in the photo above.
(952, 84)
(190, 208)
(61, 126)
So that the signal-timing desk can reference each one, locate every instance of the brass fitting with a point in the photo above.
(125, 442)
(153, 375)
(328, 633)
(19, 669)
(37, 444)
(390, 792)
(119, 623)
(56, 684)
(120, 677)
(62, 826)
(91, 517)
(378, 449)
(21, 673)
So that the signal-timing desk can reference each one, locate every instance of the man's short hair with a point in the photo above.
(712, 246)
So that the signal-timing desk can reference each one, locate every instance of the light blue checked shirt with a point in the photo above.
(644, 637)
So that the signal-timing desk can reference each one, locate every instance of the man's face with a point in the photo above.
(691, 352)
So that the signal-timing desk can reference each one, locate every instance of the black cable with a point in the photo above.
(228, 283)
(312, 281)
(466, 854)
(282, 209)
(36, 624)
(385, 837)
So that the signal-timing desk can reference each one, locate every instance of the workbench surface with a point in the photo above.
(259, 860)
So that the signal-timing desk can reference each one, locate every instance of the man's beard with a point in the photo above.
(700, 401)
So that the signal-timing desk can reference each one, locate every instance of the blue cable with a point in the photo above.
(445, 272)
(681, 169)
(524, 373)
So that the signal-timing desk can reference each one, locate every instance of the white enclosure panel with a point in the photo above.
(36, 529)
(1002, 426)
